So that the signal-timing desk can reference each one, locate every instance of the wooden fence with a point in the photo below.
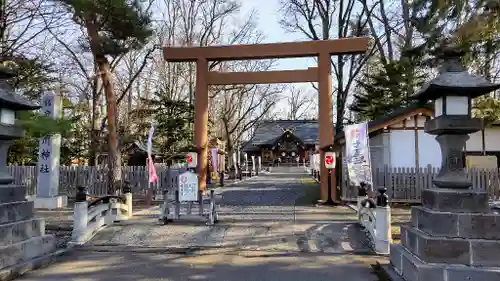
(405, 185)
(95, 178)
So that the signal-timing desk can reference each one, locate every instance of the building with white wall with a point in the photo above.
(399, 140)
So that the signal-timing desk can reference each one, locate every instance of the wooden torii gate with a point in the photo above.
(323, 50)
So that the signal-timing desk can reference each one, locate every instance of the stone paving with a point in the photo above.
(262, 235)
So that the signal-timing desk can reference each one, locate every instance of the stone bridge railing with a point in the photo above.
(375, 218)
(90, 216)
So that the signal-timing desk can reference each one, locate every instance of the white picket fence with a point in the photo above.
(87, 221)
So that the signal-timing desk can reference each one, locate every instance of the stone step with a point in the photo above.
(457, 201)
(12, 193)
(16, 211)
(412, 268)
(22, 230)
(26, 250)
(431, 249)
(458, 225)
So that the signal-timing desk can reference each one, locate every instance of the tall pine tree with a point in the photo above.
(113, 27)
(386, 89)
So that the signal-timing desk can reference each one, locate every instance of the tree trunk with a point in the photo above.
(94, 148)
(114, 157)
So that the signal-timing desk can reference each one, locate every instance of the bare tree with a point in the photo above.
(300, 104)
(329, 19)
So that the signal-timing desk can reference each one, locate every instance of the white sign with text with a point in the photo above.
(188, 186)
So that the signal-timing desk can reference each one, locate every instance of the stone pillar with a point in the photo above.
(246, 161)
(253, 164)
(47, 192)
(201, 120)
(325, 120)
(235, 164)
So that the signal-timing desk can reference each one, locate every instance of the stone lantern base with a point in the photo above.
(453, 236)
(22, 237)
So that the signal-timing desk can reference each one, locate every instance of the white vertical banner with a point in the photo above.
(214, 160)
(153, 177)
(246, 161)
(235, 162)
(358, 154)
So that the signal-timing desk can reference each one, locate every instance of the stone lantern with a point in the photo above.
(10, 103)
(454, 235)
(452, 91)
(23, 236)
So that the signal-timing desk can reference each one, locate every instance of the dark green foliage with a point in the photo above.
(32, 75)
(122, 25)
(173, 119)
(385, 90)
(36, 126)
(465, 23)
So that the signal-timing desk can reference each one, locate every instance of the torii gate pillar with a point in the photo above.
(325, 121)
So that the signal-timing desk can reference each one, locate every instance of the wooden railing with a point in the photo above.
(95, 178)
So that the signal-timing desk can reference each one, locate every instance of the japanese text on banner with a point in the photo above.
(358, 154)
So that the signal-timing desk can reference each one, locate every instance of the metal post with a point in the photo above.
(222, 179)
(200, 202)
(177, 203)
(329, 201)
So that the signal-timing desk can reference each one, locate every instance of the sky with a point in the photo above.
(268, 23)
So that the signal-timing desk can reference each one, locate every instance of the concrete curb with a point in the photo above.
(15, 271)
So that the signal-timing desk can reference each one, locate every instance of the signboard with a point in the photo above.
(192, 159)
(330, 160)
(481, 162)
(188, 186)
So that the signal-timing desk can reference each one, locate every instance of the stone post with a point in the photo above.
(47, 196)
(383, 234)
(127, 190)
(253, 164)
(362, 195)
(235, 164)
(80, 216)
(246, 161)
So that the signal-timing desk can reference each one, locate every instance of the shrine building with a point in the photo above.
(283, 141)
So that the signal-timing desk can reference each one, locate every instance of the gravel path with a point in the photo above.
(261, 235)
(259, 214)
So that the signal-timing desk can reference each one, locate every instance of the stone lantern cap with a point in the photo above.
(8, 97)
(454, 79)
